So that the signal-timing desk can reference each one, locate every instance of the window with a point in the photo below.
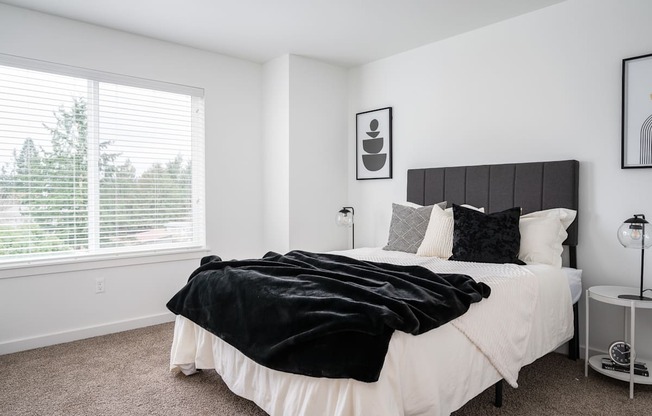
(96, 163)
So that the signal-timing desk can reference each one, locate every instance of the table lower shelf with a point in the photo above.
(596, 363)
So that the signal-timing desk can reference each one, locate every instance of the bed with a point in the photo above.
(528, 314)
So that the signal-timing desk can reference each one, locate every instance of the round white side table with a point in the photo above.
(609, 295)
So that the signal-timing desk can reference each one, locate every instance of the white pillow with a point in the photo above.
(438, 241)
(542, 235)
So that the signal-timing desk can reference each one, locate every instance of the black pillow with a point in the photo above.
(486, 238)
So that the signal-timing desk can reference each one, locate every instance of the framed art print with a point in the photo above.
(374, 144)
(637, 112)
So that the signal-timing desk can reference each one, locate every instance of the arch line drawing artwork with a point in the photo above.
(374, 144)
(646, 141)
(636, 151)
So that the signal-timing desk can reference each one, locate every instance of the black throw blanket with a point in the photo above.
(321, 315)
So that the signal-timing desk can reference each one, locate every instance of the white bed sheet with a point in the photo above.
(431, 374)
(574, 278)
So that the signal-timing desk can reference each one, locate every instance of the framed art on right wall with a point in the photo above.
(637, 112)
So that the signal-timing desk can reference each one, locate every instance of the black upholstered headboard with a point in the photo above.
(531, 186)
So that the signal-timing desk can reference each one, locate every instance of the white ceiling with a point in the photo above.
(342, 32)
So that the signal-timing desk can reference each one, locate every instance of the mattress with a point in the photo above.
(528, 315)
(574, 279)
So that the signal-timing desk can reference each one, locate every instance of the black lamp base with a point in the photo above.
(633, 297)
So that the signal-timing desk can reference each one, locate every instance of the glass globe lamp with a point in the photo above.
(345, 219)
(633, 233)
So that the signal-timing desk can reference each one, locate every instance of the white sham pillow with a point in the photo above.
(438, 241)
(542, 235)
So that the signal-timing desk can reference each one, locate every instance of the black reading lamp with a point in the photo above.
(345, 218)
(632, 234)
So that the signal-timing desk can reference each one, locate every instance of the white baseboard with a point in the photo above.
(24, 344)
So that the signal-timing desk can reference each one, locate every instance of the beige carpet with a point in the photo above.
(127, 374)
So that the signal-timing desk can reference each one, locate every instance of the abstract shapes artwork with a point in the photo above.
(637, 112)
(374, 144)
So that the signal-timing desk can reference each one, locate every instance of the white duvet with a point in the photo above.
(528, 314)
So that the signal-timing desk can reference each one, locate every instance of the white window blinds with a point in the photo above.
(97, 163)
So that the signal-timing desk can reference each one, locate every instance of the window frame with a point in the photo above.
(128, 255)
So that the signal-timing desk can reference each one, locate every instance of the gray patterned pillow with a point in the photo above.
(408, 227)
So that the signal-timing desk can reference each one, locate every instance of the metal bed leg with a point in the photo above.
(499, 394)
(574, 343)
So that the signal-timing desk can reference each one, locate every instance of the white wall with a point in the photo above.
(543, 86)
(305, 137)
(52, 307)
(276, 160)
(318, 139)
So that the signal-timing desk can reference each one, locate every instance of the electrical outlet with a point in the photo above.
(99, 285)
